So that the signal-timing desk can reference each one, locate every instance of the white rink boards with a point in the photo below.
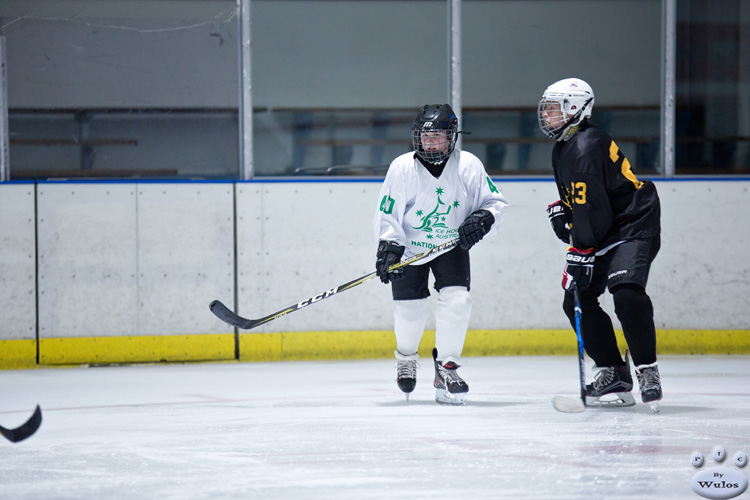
(17, 262)
(142, 260)
(127, 259)
(88, 267)
(303, 238)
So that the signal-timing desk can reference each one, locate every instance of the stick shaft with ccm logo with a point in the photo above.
(231, 318)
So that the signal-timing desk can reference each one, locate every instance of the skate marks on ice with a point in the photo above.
(385, 399)
(471, 402)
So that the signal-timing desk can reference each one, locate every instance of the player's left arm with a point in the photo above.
(489, 197)
(488, 208)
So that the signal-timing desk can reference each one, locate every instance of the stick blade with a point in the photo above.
(228, 316)
(568, 405)
(231, 318)
(26, 430)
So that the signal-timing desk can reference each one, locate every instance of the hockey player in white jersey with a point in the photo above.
(430, 196)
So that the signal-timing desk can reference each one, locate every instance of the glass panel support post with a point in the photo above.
(668, 65)
(454, 66)
(4, 159)
(246, 93)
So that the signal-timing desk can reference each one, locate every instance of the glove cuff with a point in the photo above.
(486, 219)
(391, 247)
(587, 251)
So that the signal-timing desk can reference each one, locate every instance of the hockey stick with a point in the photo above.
(228, 316)
(25, 430)
(569, 405)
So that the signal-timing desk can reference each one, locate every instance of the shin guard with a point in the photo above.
(452, 315)
(409, 320)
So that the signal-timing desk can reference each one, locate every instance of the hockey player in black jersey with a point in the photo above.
(611, 220)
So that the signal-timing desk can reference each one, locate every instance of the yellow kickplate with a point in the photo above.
(288, 346)
(371, 344)
(17, 354)
(136, 349)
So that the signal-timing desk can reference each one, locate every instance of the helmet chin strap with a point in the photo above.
(565, 136)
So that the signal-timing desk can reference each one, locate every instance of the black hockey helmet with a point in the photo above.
(435, 118)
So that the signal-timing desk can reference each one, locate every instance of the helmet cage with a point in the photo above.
(572, 115)
(435, 118)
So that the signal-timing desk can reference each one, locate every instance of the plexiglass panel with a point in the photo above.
(336, 85)
(712, 122)
(123, 88)
(150, 88)
(512, 50)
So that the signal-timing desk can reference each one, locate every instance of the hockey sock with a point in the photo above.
(596, 326)
(452, 315)
(409, 318)
(636, 314)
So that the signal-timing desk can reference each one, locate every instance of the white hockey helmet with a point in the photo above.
(564, 105)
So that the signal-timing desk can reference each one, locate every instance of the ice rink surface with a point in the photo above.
(342, 430)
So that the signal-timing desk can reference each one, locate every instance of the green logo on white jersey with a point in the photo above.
(434, 221)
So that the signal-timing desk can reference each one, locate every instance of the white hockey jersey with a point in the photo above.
(420, 212)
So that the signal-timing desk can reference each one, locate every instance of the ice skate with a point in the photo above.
(450, 388)
(612, 386)
(650, 384)
(406, 375)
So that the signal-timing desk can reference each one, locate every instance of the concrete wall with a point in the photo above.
(145, 259)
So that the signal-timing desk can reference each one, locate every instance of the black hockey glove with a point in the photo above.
(579, 268)
(389, 253)
(560, 221)
(474, 228)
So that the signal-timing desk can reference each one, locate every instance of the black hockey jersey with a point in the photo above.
(604, 199)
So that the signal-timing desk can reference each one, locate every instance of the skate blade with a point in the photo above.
(612, 400)
(654, 407)
(444, 397)
(568, 405)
